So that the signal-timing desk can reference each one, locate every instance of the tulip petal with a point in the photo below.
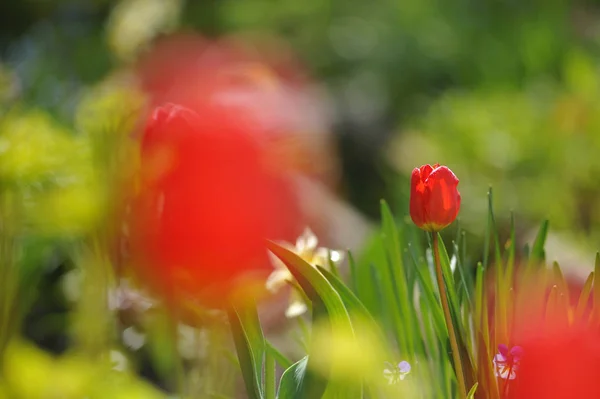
(417, 200)
(443, 199)
(425, 171)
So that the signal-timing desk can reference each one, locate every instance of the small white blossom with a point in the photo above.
(307, 248)
(132, 338)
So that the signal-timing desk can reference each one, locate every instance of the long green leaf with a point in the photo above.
(403, 312)
(583, 298)
(428, 292)
(291, 383)
(245, 338)
(538, 255)
(327, 305)
(472, 391)
(352, 303)
(278, 356)
(466, 354)
(596, 292)
(270, 371)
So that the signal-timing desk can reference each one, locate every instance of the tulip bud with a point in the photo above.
(434, 198)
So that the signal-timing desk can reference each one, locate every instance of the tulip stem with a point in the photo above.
(451, 333)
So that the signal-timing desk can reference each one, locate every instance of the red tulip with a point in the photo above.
(208, 201)
(434, 198)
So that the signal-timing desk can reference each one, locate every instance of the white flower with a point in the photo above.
(118, 361)
(124, 297)
(307, 248)
(192, 343)
(132, 338)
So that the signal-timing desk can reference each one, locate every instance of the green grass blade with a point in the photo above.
(455, 310)
(406, 318)
(327, 305)
(428, 292)
(334, 269)
(353, 274)
(471, 394)
(538, 255)
(584, 298)
(278, 356)
(245, 338)
(462, 275)
(352, 303)
(596, 290)
(270, 378)
(292, 380)
(511, 247)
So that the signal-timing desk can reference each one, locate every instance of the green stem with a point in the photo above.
(445, 306)
(270, 388)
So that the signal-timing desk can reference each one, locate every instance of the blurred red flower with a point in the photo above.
(208, 200)
(258, 79)
(434, 197)
(558, 361)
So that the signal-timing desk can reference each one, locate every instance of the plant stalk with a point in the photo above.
(445, 306)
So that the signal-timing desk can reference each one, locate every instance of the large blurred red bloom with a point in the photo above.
(559, 362)
(208, 201)
(259, 80)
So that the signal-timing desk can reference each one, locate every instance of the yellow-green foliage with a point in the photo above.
(31, 373)
(537, 147)
(48, 171)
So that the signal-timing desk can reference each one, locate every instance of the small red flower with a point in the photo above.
(208, 201)
(434, 197)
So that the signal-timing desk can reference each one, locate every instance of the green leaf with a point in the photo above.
(352, 303)
(270, 371)
(461, 335)
(403, 312)
(353, 273)
(250, 346)
(559, 279)
(510, 263)
(291, 383)
(327, 305)
(538, 254)
(466, 288)
(368, 280)
(430, 296)
(500, 310)
(584, 298)
(332, 265)
(278, 356)
(596, 292)
(471, 394)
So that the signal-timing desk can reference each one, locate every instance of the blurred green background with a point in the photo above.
(505, 92)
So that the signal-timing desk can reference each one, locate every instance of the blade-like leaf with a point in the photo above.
(291, 383)
(466, 354)
(584, 297)
(250, 346)
(596, 292)
(327, 305)
(402, 311)
(538, 255)
(270, 371)
(472, 391)
(352, 303)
